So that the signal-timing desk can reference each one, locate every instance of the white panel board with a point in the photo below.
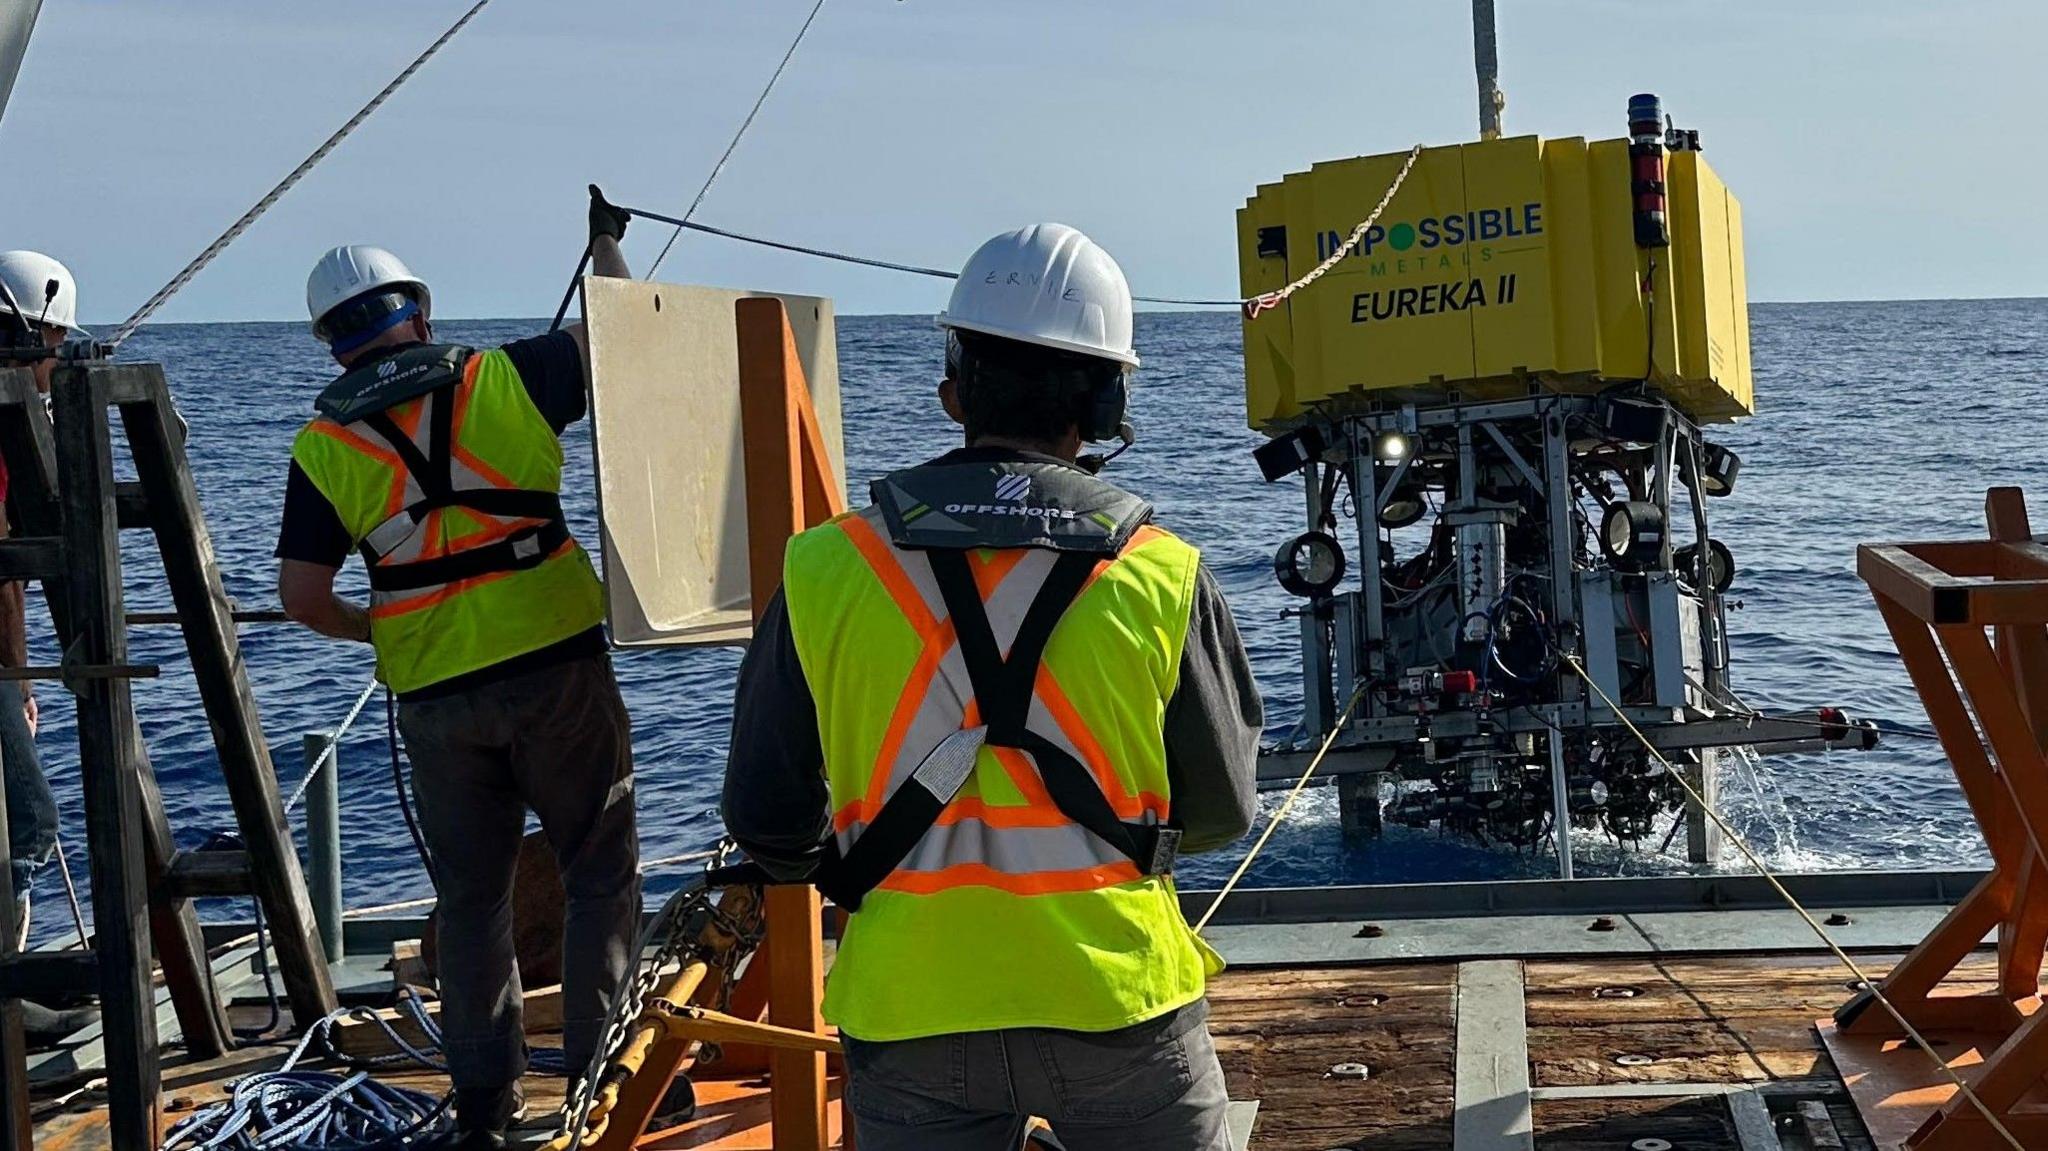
(671, 483)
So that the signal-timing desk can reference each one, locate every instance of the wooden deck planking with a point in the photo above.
(1279, 1032)
(1697, 1021)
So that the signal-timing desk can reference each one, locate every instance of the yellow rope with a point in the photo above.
(1266, 301)
(1278, 816)
(1763, 870)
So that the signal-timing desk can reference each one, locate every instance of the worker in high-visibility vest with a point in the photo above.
(984, 714)
(441, 466)
(38, 314)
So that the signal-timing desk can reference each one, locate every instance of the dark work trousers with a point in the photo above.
(1155, 1086)
(556, 741)
(31, 809)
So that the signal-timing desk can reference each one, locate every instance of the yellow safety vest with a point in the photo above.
(1006, 913)
(452, 498)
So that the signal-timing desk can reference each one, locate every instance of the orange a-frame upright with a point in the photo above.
(789, 488)
(1968, 618)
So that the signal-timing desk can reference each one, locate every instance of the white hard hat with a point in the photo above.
(1049, 285)
(354, 269)
(28, 276)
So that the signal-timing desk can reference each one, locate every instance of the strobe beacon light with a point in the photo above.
(1310, 564)
(1646, 170)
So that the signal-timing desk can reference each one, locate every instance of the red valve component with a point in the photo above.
(1460, 683)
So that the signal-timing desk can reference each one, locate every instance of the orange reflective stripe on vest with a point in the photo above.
(451, 498)
(1004, 912)
(1027, 846)
(404, 537)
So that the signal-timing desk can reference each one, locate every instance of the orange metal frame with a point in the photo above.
(789, 488)
(1968, 618)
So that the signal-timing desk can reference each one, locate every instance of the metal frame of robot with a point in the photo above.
(1370, 747)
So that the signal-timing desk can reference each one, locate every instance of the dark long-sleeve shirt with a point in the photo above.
(777, 807)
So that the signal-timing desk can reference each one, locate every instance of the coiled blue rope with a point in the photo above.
(330, 1111)
(313, 1109)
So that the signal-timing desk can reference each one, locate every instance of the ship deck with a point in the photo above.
(1631, 1028)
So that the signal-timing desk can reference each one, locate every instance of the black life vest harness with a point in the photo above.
(920, 515)
(363, 397)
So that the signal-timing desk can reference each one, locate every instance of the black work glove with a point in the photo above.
(606, 218)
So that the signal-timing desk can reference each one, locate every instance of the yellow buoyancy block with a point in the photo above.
(1498, 266)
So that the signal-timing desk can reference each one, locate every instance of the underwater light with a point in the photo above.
(1632, 534)
(1718, 468)
(1310, 564)
(1391, 447)
(1283, 456)
(1402, 508)
(1720, 564)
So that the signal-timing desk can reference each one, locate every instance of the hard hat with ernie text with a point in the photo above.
(1046, 284)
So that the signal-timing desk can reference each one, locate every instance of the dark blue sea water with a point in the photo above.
(1877, 422)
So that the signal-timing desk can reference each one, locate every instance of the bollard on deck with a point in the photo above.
(323, 842)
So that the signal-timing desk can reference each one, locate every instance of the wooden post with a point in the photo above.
(789, 489)
(208, 624)
(29, 446)
(174, 922)
(17, 1125)
(107, 758)
(2023, 650)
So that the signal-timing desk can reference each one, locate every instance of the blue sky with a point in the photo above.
(1882, 149)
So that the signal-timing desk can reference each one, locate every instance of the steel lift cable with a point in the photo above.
(871, 262)
(1763, 869)
(263, 205)
(1280, 815)
(734, 143)
(1252, 307)
(576, 277)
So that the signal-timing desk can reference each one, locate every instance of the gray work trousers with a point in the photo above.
(1155, 1086)
(31, 808)
(556, 741)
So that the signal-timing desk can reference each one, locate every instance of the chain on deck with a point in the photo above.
(690, 930)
